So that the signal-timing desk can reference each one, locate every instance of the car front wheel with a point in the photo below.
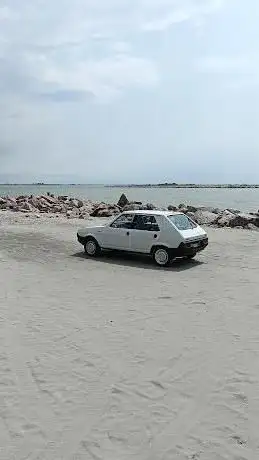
(190, 256)
(92, 248)
(162, 257)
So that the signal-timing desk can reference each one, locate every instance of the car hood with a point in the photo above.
(84, 230)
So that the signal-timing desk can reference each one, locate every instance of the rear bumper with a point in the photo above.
(186, 249)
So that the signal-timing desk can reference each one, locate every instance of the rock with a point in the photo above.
(72, 213)
(34, 201)
(27, 206)
(253, 227)
(192, 209)
(132, 207)
(205, 217)
(210, 209)
(104, 210)
(3, 203)
(249, 219)
(192, 216)
(172, 208)
(150, 206)
(49, 199)
(11, 201)
(229, 219)
(75, 203)
(123, 201)
(226, 218)
(234, 211)
(80, 204)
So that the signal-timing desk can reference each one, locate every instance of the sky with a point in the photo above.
(118, 91)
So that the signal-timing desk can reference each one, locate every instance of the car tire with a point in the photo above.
(162, 256)
(92, 248)
(190, 256)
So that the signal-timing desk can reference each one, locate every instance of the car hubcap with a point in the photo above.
(90, 248)
(161, 257)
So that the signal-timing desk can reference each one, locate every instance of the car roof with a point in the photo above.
(154, 212)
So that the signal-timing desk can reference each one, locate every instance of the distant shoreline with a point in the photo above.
(187, 186)
(160, 186)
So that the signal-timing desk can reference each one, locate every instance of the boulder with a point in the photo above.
(229, 219)
(75, 203)
(234, 211)
(192, 216)
(104, 210)
(249, 219)
(80, 203)
(11, 201)
(50, 199)
(226, 218)
(192, 209)
(204, 217)
(172, 208)
(27, 206)
(123, 201)
(210, 209)
(3, 203)
(72, 213)
(253, 227)
(133, 207)
(34, 201)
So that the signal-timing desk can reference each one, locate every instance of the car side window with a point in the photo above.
(123, 221)
(147, 223)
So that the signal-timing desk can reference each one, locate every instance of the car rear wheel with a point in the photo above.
(92, 248)
(162, 256)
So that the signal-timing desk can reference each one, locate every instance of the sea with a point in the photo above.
(241, 199)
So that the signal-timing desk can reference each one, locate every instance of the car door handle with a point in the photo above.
(127, 233)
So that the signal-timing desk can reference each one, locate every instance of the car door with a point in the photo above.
(145, 233)
(117, 234)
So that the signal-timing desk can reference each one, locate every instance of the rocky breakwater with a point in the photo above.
(215, 217)
(208, 216)
(73, 208)
(57, 205)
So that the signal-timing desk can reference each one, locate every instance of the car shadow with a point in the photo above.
(138, 261)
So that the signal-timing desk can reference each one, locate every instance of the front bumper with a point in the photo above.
(80, 239)
(192, 247)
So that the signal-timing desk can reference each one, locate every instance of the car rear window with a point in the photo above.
(182, 222)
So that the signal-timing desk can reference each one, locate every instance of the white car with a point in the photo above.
(162, 234)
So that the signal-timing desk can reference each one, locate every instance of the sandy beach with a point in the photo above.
(115, 359)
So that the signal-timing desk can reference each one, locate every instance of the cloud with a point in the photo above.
(236, 72)
(229, 64)
(167, 13)
(85, 45)
(123, 88)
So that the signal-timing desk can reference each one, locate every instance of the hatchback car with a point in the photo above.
(162, 234)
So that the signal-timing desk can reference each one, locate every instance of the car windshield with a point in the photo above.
(182, 222)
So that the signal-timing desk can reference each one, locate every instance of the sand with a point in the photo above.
(114, 359)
